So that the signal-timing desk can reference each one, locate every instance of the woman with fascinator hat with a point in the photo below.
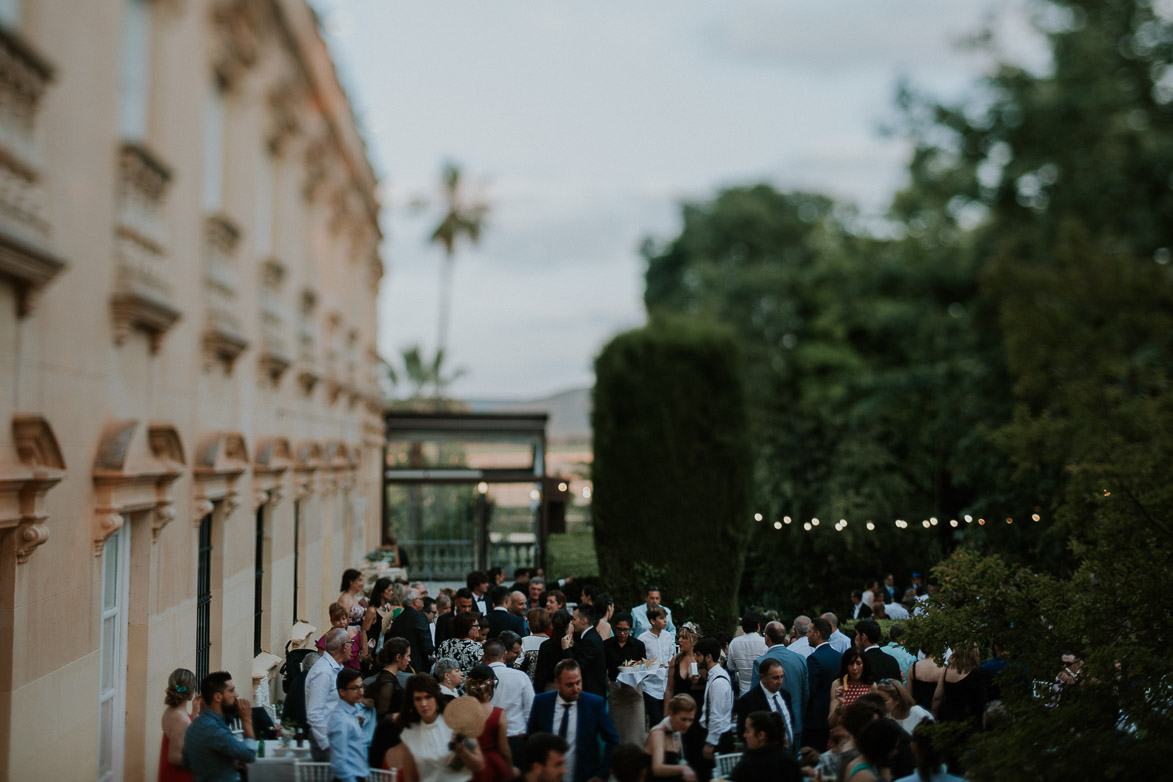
(684, 678)
(180, 697)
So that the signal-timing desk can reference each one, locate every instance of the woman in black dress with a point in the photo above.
(550, 652)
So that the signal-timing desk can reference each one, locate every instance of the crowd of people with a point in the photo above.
(489, 683)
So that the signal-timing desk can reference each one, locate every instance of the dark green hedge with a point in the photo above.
(672, 470)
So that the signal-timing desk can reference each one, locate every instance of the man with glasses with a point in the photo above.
(639, 614)
(627, 705)
(348, 737)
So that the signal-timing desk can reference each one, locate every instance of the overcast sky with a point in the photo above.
(585, 125)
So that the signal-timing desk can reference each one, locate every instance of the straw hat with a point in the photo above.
(465, 716)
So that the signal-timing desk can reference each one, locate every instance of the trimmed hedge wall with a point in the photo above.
(672, 470)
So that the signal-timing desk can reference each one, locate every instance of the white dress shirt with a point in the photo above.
(571, 731)
(718, 708)
(661, 649)
(896, 611)
(515, 695)
(801, 646)
(776, 705)
(743, 650)
(321, 696)
(481, 604)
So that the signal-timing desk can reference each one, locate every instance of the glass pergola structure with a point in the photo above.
(438, 470)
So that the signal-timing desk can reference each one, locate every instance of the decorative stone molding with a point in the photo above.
(26, 258)
(270, 461)
(285, 124)
(220, 459)
(301, 635)
(224, 338)
(239, 27)
(308, 455)
(142, 293)
(317, 154)
(25, 483)
(129, 479)
(307, 342)
(274, 356)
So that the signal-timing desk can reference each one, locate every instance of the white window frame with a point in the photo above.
(134, 77)
(117, 545)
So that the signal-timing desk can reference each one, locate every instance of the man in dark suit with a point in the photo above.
(461, 604)
(412, 626)
(795, 679)
(768, 695)
(867, 640)
(500, 618)
(580, 718)
(587, 648)
(822, 668)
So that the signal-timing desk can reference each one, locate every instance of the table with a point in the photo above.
(636, 678)
(276, 767)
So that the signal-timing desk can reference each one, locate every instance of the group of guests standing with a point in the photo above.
(490, 683)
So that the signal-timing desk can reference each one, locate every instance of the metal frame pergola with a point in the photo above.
(508, 428)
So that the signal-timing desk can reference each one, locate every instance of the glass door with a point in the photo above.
(112, 689)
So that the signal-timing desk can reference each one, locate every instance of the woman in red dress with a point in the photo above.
(494, 739)
(855, 679)
(181, 686)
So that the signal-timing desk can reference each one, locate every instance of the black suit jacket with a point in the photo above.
(503, 620)
(883, 665)
(588, 650)
(412, 626)
(755, 700)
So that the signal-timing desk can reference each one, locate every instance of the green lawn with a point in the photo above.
(571, 554)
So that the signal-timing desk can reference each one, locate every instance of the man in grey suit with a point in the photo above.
(795, 682)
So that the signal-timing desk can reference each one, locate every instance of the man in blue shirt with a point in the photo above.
(639, 614)
(210, 751)
(348, 737)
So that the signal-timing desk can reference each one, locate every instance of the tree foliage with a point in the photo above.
(671, 469)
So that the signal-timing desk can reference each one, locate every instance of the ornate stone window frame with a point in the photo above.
(125, 482)
(220, 459)
(26, 259)
(25, 483)
(224, 338)
(271, 460)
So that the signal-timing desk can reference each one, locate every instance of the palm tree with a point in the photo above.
(419, 374)
(463, 217)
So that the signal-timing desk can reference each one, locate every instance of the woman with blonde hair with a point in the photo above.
(685, 679)
(901, 707)
(666, 740)
(181, 691)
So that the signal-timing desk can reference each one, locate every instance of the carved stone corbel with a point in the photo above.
(220, 459)
(130, 477)
(106, 523)
(23, 486)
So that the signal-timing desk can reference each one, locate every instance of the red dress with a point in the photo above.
(496, 769)
(168, 772)
(853, 691)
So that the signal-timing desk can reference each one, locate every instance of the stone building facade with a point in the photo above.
(190, 428)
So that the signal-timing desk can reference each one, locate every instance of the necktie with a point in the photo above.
(565, 726)
(778, 707)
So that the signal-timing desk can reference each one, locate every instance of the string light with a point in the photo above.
(952, 522)
(871, 526)
(1036, 517)
(757, 517)
(806, 525)
(777, 525)
(786, 519)
(968, 518)
(814, 522)
(928, 523)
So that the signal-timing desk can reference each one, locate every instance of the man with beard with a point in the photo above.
(210, 751)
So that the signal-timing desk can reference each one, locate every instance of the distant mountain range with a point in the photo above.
(569, 411)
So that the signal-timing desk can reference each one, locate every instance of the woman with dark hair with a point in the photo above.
(550, 652)
(921, 681)
(877, 744)
(961, 690)
(378, 605)
(555, 601)
(463, 646)
(181, 690)
(355, 603)
(855, 679)
(427, 743)
(539, 625)
(386, 691)
(765, 758)
(604, 608)
(494, 739)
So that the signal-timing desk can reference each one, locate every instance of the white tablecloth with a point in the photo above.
(277, 768)
(635, 679)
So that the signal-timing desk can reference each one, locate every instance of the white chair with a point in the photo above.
(304, 771)
(726, 763)
(379, 775)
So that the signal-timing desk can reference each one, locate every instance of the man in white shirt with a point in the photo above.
(321, 693)
(746, 648)
(717, 716)
(802, 626)
(659, 644)
(894, 610)
(839, 642)
(514, 693)
(639, 614)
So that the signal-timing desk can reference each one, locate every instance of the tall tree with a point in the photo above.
(464, 218)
